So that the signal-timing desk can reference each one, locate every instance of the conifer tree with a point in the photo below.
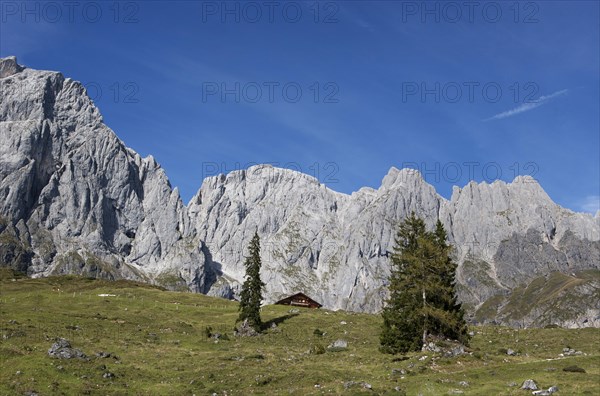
(422, 299)
(251, 294)
(454, 325)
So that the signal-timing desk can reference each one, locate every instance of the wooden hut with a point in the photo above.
(299, 300)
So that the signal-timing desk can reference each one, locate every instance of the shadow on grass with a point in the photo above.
(277, 321)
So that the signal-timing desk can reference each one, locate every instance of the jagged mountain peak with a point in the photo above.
(523, 186)
(9, 66)
(75, 199)
(267, 173)
(402, 178)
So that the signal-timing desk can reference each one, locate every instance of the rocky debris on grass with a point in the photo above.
(62, 349)
(30, 393)
(294, 311)
(397, 371)
(570, 352)
(511, 352)
(362, 384)
(463, 383)
(108, 374)
(511, 384)
(431, 347)
(152, 338)
(245, 330)
(529, 385)
(338, 344)
(545, 392)
(456, 351)
(447, 347)
(103, 354)
(73, 327)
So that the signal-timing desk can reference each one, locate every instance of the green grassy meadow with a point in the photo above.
(158, 344)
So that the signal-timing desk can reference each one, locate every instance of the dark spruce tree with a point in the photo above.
(422, 298)
(251, 294)
(453, 324)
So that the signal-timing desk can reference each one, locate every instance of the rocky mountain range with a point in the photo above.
(76, 200)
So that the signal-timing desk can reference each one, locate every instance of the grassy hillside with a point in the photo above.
(554, 298)
(159, 341)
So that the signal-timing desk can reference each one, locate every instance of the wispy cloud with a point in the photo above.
(527, 106)
(590, 204)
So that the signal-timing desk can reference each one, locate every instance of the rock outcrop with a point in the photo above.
(75, 199)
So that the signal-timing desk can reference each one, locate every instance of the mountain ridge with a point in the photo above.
(76, 199)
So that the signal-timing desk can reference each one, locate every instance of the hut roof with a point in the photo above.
(299, 299)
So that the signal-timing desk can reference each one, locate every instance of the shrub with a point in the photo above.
(574, 369)
(317, 349)
(208, 331)
(262, 380)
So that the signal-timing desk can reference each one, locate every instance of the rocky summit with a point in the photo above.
(76, 200)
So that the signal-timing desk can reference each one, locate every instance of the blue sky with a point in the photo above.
(340, 90)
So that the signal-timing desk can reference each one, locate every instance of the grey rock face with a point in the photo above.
(336, 247)
(75, 199)
(9, 66)
(331, 246)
